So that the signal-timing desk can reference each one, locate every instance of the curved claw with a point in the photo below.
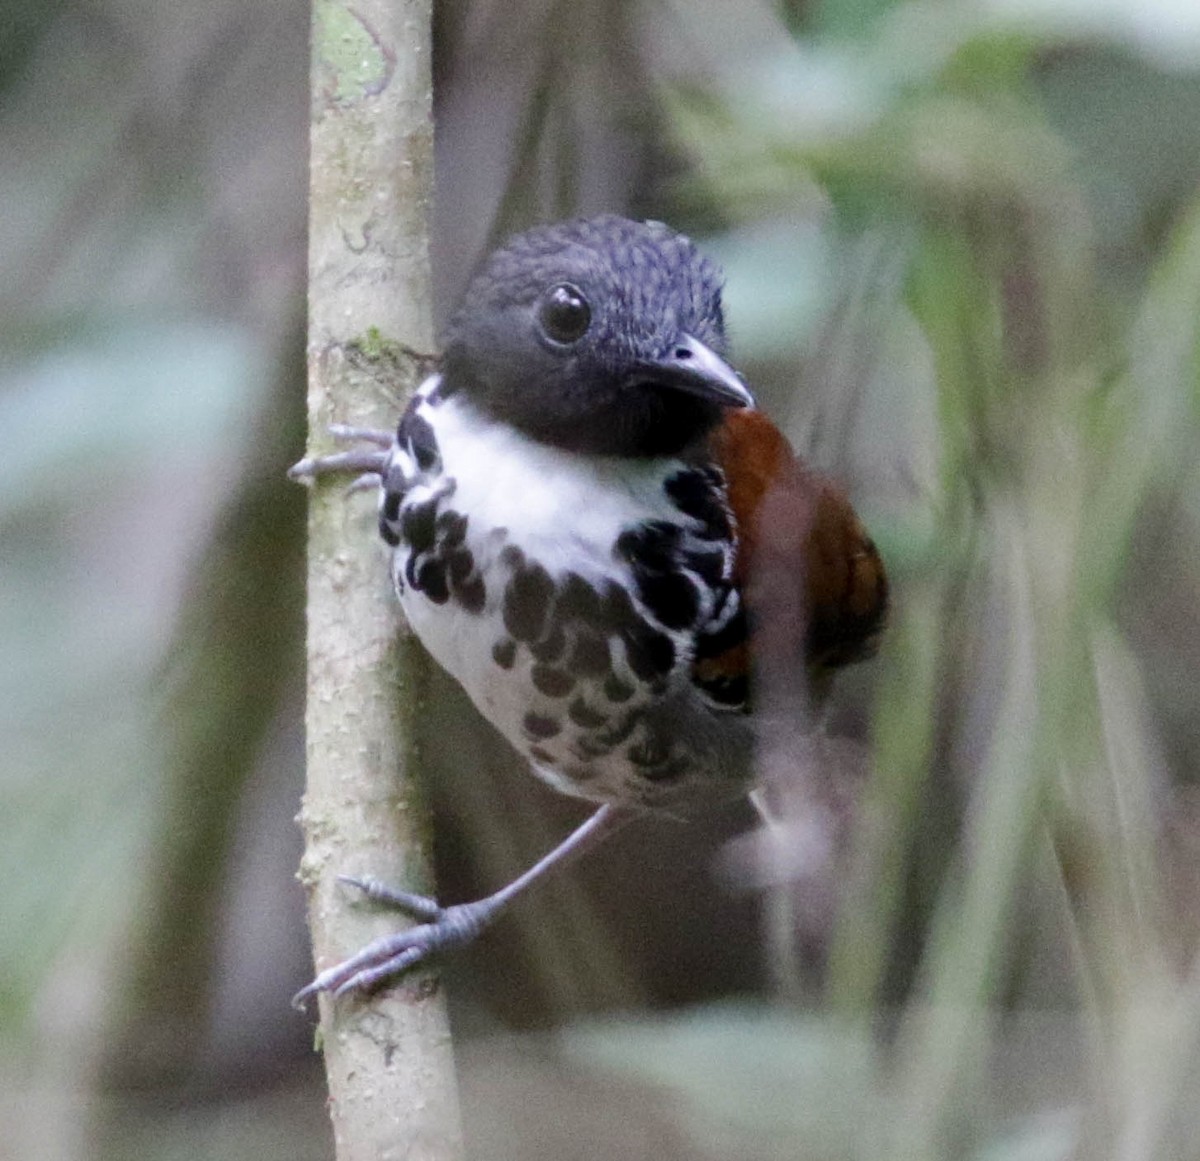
(340, 978)
(387, 957)
(369, 978)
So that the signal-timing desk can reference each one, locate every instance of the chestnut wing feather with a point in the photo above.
(812, 577)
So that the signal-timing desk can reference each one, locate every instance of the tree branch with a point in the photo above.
(389, 1061)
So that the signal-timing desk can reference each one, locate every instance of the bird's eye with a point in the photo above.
(564, 314)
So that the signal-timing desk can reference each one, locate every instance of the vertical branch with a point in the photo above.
(389, 1061)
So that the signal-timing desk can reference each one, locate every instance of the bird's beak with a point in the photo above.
(692, 367)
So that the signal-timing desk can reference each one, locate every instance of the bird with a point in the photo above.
(577, 505)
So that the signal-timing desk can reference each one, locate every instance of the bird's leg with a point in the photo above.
(446, 927)
(370, 463)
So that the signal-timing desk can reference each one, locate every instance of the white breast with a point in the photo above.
(561, 510)
(559, 507)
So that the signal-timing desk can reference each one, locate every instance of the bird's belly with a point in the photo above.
(561, 680)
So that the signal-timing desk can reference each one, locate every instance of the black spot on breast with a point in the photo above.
(552, 682)
(589, 655)
(395, 488)
(666, 772)
(577, 600)
(733, 632)
(540, 755)
(550, 648)
(692, 492)
(417, 434)
(649, 653)
(708, 564)
(526, 601)
(451, 528)
(620, 731)
(671, 598)
(587, 746)
(471, 594)
(431, 580)
(417, 525)
(617, 690)
(504, 653)
(617, 612)
(652, 546)
(653, 553)
(459, 564)
(583, 715)
(580, 774)
(466, 584)
(650, 750)
(539, 726)
(652, 755)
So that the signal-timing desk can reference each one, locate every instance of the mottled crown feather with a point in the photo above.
(648, 274)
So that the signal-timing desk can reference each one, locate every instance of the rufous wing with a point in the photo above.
(813, 581)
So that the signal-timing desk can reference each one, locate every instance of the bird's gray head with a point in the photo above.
(597, 335)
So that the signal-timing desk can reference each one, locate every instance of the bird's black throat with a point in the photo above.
(638, 420)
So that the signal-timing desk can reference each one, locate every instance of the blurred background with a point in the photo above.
(962, 242)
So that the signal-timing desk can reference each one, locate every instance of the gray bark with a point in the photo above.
(389, 1060)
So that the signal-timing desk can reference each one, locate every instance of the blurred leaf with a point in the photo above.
(1132, 128)
(764, 1084)
(752, 1082)
(1052, 1136)
(1167, 31)
(778, 276)
(141, 407)
(24, 24)
(109, 404)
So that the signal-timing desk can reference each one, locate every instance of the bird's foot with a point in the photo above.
(370, 461)
(385, 958)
